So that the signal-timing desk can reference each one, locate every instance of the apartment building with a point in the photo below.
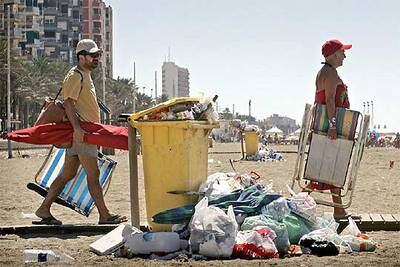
(48, 28)
(97, 25)
(25, 26)
(175, 80)
(62, 28)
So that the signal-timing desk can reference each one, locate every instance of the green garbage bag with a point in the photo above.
(282, 239)
(296, 227)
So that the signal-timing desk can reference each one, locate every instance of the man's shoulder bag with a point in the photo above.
(53, 111)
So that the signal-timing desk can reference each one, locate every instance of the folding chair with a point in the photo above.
(331, 162)
(75, 194)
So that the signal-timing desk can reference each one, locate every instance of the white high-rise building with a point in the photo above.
(175, 80)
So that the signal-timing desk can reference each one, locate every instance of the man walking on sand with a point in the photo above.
(80, 103)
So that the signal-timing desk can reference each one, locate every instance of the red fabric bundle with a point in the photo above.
(57, 133)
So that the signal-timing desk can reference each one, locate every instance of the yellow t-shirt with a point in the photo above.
(85, 100)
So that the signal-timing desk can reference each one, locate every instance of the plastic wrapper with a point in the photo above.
(277, 209)
(255, 244)
(219, 184)
(303, 205)
(325, 235)
(212, 232)
(282, 238)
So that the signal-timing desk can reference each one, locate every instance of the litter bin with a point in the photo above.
(175, 157)
(251, 141)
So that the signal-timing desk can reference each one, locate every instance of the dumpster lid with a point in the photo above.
(164, 105)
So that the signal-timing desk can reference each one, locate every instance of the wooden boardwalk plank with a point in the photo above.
(397, 217)
(375, 222)
(376, 218)
(388, 218)
(366, 223)
(365, 218)
(82, 229)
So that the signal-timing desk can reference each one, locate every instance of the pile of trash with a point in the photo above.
(244, 126)
(182, 109)
(265, 154)
(237, 217)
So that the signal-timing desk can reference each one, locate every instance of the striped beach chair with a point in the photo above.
(75, 194)
(330, 162)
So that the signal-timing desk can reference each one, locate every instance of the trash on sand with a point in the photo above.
(212, 232)
(39, 255)
(255, 244)
(147, 243)
(28, 215)
(113, 240)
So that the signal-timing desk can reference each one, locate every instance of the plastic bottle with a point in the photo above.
(38, 255)
(359, 244)
(146, 243)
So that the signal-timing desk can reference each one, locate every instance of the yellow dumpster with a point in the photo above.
(175, 157)
(251, 141)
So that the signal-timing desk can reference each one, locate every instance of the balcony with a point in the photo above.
(17, 51)
(50, 11)
(50, 26)
(16, 16)
(34, 27)
(17, 33)
(96, 17)
(31, 10)
(97, 30)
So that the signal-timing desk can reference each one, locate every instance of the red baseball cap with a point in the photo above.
(331, 46)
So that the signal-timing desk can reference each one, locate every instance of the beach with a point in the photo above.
(376, 192)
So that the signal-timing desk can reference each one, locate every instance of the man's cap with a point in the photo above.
(87, 45)
(331, 46)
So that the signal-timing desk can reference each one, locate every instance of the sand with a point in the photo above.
(376, 192)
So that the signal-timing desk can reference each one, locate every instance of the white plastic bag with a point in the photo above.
(303, 205)
(212, 232)
(219, 184)
(277, 209)
(357, 240)
(255, 244)
(327, 234)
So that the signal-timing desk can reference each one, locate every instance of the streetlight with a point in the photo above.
(9, 147)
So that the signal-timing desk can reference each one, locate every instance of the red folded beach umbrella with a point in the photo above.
(58, 133)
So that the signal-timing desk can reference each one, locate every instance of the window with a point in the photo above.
(62, 25)
(50, 3)
(96, 24)
(64, 9)
(49, 34)
(74, 43)
(1, 21)
(64, 39)
(49, 51)
(49, 19)
(96, 11)
(64, 55)
(75, 14)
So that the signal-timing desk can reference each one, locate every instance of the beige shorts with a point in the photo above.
(83, 149)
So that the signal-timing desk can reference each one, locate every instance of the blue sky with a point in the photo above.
(266, 51)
